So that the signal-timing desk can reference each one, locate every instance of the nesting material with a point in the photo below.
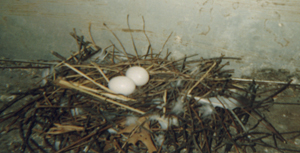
(220, 101)
(187, 105)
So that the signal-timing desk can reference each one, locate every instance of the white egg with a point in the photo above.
(138, 75)
(121, 85)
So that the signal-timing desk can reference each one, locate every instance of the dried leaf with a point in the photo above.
(59, 129)
(108, 145)
(142, 135)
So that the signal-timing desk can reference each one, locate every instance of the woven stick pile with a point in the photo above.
(187, 106)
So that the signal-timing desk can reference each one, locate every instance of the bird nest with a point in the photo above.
(188, 105)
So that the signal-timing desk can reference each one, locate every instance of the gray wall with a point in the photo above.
(264, 33)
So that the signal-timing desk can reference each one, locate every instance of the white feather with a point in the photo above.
(179, 83)
(162, 122)
(174, 121)
(131, 120)
(98, 57)
(159, 102)
(206, 110)
(178, 108)
(159, 139)
(112, 131)
(56, 145)
(45, 74)
(76, 111)
(165, 122)
(220, 101)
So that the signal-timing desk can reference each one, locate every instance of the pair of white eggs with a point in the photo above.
(125, 85)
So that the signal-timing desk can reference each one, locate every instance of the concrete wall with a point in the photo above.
(264, 33)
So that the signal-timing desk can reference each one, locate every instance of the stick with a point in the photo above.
(165, 43)
(29, 61)
(100, 70)
(92, 39)
(113, 96)
(201, 79)
(58, 55)
(149, 46)
(87, 77)
(165, 103)
(265, 81)
(135, 50)
(90, 79)
(118, 41)
(69, 85)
